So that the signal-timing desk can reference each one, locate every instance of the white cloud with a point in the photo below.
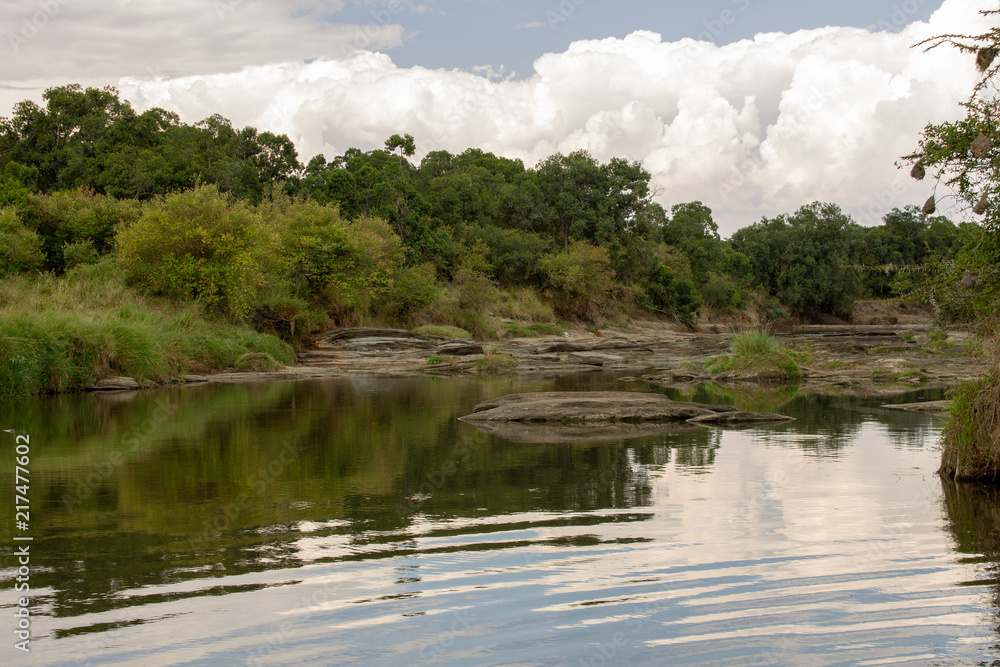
(756, 127)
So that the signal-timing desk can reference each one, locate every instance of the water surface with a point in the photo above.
(357, 521)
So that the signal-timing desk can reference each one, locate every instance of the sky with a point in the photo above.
(755, 107)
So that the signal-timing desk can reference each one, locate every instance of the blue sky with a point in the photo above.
(512, 33)
(755, 107)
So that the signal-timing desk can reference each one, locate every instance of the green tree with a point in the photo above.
(803, 259)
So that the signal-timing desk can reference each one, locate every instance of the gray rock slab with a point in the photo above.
(555, 433)
(114, 384)
(739, 417)
(589, 406)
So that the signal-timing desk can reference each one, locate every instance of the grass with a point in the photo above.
(521, 331)
(756, 354)
(442, 331)
(972, 434)
(257, 362)
(63, 334)
(937, 341)
(913, 376)
(495, 362)
(436, 359)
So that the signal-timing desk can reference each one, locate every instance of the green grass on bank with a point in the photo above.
(757, 353)
(62, 334)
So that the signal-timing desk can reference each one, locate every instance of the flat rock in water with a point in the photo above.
(739, 417)
(557, 434)
(589, 406)
(114, 384)
(931, 407)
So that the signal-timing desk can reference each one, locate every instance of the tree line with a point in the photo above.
(231, 218)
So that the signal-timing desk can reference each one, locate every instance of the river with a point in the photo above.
(357, 521)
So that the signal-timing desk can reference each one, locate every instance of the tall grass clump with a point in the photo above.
(972, 435)
(755, 354)
(63, 334)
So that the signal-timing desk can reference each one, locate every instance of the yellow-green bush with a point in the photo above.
(199, 245)
(578, 279)
(20, 247)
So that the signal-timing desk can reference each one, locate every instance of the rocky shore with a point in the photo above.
(866, 359)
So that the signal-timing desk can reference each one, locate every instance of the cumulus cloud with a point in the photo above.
(755, 127)
(49, 42)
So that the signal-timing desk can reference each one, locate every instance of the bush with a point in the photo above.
(20, 247)
(414, 288)
(79, 253)
(79, 216)
(514, 255)
(722, 295)
(803, 258)
(579, 279)
(670, 295)
(199, 245)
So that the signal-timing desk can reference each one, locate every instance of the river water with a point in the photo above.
(357, 521)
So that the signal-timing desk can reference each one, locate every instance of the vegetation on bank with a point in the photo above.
(962, 156)
(62, 334)
(208, 232)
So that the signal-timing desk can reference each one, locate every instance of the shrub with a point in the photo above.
(79, 253)
(79, 216)
(672, 296)
(413, 289)
(198, 244)
(20, 247)
(578, 279)
(721, 294)
(773, 310)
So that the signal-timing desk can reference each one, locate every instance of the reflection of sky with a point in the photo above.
(774, 554)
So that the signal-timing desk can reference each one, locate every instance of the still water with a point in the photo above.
(357, 521)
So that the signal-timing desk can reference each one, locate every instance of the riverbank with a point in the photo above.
(863, 360)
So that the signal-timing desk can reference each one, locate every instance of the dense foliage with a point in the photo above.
(229, 221)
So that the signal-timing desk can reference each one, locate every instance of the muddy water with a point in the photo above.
(358, 522)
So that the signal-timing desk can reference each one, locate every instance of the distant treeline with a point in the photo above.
(232, 219)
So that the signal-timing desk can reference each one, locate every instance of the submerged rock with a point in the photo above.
(740, 417)
(603, 406)
(563, 433)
